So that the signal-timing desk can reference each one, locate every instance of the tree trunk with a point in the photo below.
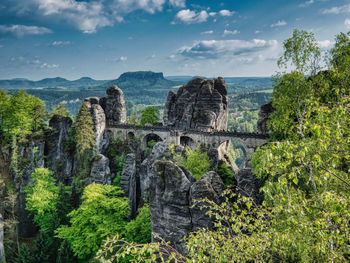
(2, 251)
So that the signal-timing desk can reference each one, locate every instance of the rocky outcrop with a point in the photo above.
(210, 186)
(200, 104)
(172, 191)
(99, 119)
(100, 172)
(248, 185)
(59, 160)
(128, 182)
(114, 106)
(263, 116)
(169, 203)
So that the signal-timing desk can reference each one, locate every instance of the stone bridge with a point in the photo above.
(191, 138)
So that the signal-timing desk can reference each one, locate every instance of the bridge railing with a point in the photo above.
(192, 131)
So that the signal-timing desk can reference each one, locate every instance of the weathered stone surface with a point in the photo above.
(58, 160)
(264, 113)
(248, 185)
(210, 186)
(200, 104)
(169, 203)
(100, 172)
(114, 106)
(128, 182)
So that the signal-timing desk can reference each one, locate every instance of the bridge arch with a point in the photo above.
(187, 141)
(131, 135)
(149, 138)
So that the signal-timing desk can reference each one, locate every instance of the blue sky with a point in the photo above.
(104, 38)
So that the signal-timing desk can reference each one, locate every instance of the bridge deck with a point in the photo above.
(233, 134)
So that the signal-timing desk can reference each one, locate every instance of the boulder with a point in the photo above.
(100, 172)
(201, 104)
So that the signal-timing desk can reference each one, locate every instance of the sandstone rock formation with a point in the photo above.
(173, 190)
(210, 186)
(264, 113)
(200, 104)
(99, 119)
(114, 106)
(248, 185)
(169, 203)
(128, 182)
(58, 159)
(100, 172)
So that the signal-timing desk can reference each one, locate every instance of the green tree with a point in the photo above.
(197, 162)
(42, 198)
(340, 53)
(103, 213)
(60, 110)
(149, 115)
(139, 229)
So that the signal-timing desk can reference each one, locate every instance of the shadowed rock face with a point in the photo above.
(200, 104)
(2, 251)
(172, 191)
(114, 106)
(100, 172)
(58, 159)
(128, 182)
(264, 114)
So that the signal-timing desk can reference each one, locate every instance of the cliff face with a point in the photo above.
(200, 104)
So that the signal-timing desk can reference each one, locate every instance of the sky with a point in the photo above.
(104, 38)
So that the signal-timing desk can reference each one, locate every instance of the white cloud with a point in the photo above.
(257, 31)
(325, 43)
(307, 3)
(229, 32)
(123, 59)
(60, 43)
(209, 32)
(178, 3)
(42, 65)
(211, 49)
(22, 30)
(226, 12)
(212, 13)
(347, 23)
(337, 10)
(279, 23)
(188, 16)
(86, 16)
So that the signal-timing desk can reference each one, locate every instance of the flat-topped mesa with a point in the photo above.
(200, 104)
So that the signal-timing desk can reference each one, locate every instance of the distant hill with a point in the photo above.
(140, 80)
(50, 83)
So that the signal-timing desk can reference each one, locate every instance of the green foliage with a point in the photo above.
(139, 229)
(101, 214)
(84, 132)
(24, 255)
(301, 51)
(21, 114)
(70, 142)
(227, 175)
(60, 110)
(42, 197)
(197, 162)
(340, 53)
(133, 120)
(150, 116)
